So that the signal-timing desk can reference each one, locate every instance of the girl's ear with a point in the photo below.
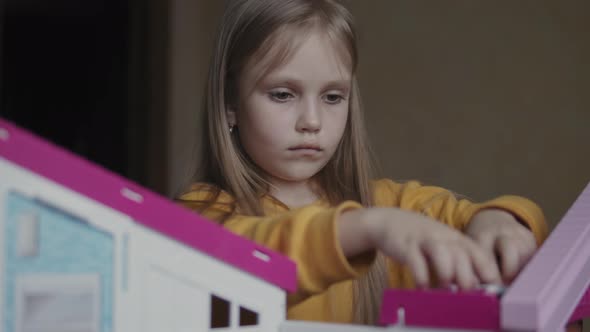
(231, 117)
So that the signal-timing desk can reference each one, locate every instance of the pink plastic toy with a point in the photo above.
(551, 291)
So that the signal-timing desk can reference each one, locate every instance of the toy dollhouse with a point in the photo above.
(84, 250)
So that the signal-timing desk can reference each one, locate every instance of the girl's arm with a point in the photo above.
(496, 225)
(446, 207)
(421, 243)
(306, 235)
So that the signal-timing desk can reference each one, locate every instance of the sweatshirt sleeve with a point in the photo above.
(447, 207)
(308, 236)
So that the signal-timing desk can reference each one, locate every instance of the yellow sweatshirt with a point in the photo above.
(308, 236)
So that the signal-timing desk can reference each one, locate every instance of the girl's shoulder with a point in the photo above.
(207, 199)
(388, 186)
(387, 192)
(206, 192)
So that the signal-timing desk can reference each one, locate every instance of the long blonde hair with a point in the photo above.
(268, 29)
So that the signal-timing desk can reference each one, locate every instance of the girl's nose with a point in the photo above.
(309, 119)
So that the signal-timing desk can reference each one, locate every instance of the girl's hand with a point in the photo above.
(500, 234)
(424, 245)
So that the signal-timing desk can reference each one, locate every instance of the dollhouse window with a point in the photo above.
(221, 314)
(57, 303)
(28, 235)
(248, 317)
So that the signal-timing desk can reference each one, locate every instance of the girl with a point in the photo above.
(285, 163)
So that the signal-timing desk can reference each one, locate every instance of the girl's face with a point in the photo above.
(292, 121)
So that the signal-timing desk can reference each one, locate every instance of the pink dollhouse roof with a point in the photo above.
(547, 290)
(145, 207)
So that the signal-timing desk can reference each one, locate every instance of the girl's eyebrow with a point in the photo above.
(342, 84)
(339, 84)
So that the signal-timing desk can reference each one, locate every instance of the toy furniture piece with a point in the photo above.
(551, 291)
(85, 250)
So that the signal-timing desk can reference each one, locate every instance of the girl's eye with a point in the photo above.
(333, 99)
(281, 96)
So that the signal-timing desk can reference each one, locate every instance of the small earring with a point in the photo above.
(231, 129)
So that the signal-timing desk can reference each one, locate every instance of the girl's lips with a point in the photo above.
(310, 147)
(306, 152)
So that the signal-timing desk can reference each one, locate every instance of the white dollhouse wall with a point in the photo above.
(157, 284)
(178, 285)
(57, 289)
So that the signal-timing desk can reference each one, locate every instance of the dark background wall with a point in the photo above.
(484, 97)
(81, 74)
(64, 74)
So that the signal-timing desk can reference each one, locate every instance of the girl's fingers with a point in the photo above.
(484, 263)
(529, 245)
(526, 254)
(486, 242)
(464, 275)
(441, 259)
(509, 258)
(418, 265)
